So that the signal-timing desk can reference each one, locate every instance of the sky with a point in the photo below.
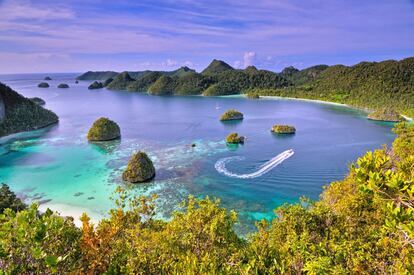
(78, 35)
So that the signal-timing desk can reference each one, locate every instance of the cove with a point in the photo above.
(58, 168)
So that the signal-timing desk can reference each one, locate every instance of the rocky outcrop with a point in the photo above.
(140, 169)
(20, 114)
(95, 85)
(104, 129)
(47, 78)
(234, 138)
(63, 86)
(231, 114)
(43, 85)
(283, 129)
(38, 100)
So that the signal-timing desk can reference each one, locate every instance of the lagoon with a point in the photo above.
(58, 168)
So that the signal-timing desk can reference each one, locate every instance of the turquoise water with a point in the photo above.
(58, 168)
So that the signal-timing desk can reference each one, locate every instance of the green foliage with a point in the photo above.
(192, 84)
(21, 114)
(237, 81)
(165, 85)
(104, 129)
(234, 138)
(386, 114)
(368, 84)
(283, 129)
(121, 81)
(140, 168)
(9, 200)
(32, 244)
(217, 66)
(143, 83)
(231, 114)
(99, 75)
(95, 85)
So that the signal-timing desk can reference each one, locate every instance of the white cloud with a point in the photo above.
(237, 64)
(249, 58)
(25, 9)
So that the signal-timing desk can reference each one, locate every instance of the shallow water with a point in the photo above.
(59, 168)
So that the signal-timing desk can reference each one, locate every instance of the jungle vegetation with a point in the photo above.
(19, 114)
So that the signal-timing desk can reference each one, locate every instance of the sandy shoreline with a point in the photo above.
(72, 211)
(325, 102)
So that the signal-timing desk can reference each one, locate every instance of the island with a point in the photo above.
(47, 78)
(20, 114)
(43, 85)
(283, 129)
(234, 138)
(38, 100)
(63, 86)
(231, 114)
(95, 85)
(104, 129)
(386, 114)
(139, 169)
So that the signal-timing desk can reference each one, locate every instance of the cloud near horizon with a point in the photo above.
(75, 36)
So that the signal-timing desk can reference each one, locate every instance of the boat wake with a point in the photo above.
(263, 169)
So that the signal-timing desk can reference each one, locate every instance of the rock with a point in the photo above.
(43, 85)
(38, 100)
(193, 145)
(47, 78)
(104, 129)
(95, 85)
(386, 114)
(108, 81)
(231, 114)
(283, 129)
(76, 82)
(234, 138)
(140, 169)
(63, 86)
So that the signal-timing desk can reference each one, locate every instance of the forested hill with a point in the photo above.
(19, 114)
(370, 85)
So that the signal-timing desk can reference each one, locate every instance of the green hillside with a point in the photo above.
(19, 114)
(370, 85)
(217, 66)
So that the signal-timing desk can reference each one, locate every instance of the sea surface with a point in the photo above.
(58, 168)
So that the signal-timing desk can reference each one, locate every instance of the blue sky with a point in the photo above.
(75, 36)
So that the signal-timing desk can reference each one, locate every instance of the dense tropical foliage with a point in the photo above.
(18, 114)
(372, 85)
(363, 224)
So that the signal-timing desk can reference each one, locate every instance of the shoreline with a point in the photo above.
(407, 118)
(66, 210)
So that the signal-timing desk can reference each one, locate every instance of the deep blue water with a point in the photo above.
(59, 168)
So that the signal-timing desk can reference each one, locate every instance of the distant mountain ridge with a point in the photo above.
(104, 75)
(367, 84)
